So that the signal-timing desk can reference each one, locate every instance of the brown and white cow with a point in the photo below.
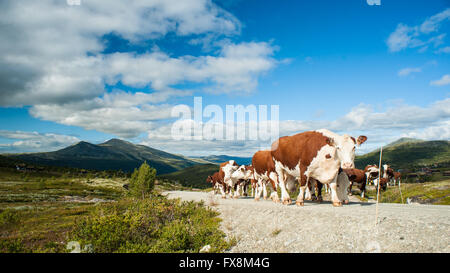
(225, 171)
(217, 182)
(313, 154)
(240, 177)
(391, 175)
(264, 172)
(383, 183)
(358, 177)
(372, 172)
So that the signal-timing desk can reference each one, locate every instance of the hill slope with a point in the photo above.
(401, 154)
(114, 154)
(194, 176)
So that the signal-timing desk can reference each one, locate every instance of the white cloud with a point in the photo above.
(123, 114)
(381, 128)
(34, 142)
(439, 131)
(235, 70)
(51, 51)
(442, 81)
(52, 60)
(406, 71)
(406, 36)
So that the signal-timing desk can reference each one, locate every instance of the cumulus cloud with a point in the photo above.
(52, 52)
(34, 141)
(406, 36)
(120, 113)
(442, 81)
(380, 127)
(53, 60)
(235, 70)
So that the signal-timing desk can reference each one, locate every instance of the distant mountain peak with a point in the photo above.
(404, 140)
(116, 141)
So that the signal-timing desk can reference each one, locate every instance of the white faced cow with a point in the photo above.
(225, 171)
(314, 154)
(240, 176)
(372, 172)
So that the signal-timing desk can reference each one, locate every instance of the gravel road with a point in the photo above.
(268, 227)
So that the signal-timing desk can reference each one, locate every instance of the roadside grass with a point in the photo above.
(436, 193)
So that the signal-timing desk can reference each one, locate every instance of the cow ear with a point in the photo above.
(361, 140)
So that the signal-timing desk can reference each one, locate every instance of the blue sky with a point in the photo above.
(115, 69)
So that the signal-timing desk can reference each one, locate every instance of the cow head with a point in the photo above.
(346, 146)
(243, 172)
(209, 179)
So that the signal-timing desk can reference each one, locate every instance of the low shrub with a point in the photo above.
(154, 225)
(8, 217)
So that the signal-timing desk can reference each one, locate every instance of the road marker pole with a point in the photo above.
(378, 186)
(400, 188)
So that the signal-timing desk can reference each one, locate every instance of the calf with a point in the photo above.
(264, 172)
(313, 154)
(358, 177)
(217, 182)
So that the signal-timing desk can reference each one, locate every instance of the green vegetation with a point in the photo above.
(42, 211)
(194, 177)
(409, 154)
(151, 225)
(436, 193)
(142, 181)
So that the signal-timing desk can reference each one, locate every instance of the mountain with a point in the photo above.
(408, 153)
(403, 140)
(114, 154)
(217, 159)
(194, 176)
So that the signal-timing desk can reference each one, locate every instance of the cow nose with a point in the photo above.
(348, 165)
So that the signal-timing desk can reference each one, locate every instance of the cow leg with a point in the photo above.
(285, 198)
(300, 196)
(264, 187)
(334, 196)
(258, 189)
(223, 191)
(350, 189)
(245, 188)
(237, 190)
(319, 191)
(274, 194)
(308, 191)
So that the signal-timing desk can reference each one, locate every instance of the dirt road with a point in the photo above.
(268, 227)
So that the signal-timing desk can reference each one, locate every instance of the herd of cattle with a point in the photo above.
(310, 159)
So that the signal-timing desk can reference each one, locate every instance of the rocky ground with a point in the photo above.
(268, 227)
